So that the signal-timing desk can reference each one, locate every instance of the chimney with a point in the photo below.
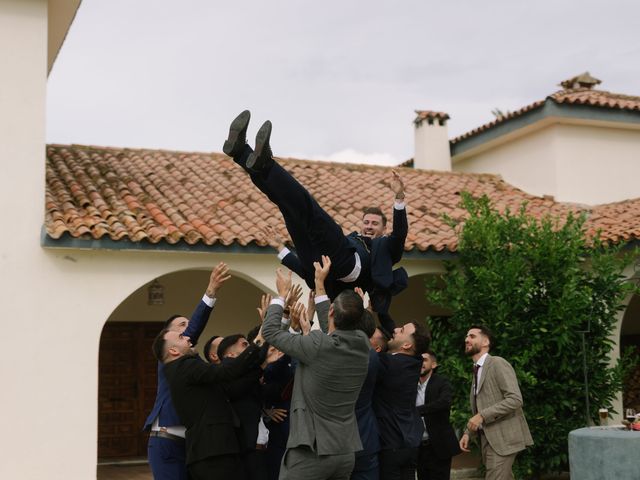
(432, 141)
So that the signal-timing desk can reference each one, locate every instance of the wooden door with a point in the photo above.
(126, 388)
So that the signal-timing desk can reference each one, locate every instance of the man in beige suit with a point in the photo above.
(496, 404)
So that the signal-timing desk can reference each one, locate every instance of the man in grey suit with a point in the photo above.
(331, 370)
(496, 404)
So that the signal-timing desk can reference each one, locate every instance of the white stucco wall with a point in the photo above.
(527, 162)
(581, 162)
(597, 164)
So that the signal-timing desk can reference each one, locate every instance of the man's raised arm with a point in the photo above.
(400, 224)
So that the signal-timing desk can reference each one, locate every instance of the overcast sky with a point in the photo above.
(339, 79)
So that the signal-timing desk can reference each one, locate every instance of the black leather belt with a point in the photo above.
(167, 435)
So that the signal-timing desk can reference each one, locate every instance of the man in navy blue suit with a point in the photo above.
(394, 402)
(166, 447)
(358, 260)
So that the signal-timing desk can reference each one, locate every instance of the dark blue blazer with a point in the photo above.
(163, 407)
(394, 401)
(378, 256)
(366, 418)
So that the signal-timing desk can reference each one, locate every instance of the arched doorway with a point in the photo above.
(127, 370)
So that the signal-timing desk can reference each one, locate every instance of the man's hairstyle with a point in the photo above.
(375, 211)
(367, 323)
(158, 345)
(486, 332)
(227, 342)
(421, 339)
(384, 341)
(207, 347)
(431, 353)
(167, 322)
(347, 310)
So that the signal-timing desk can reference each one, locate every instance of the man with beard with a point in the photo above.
(394, 402)
(496, 405)
(166, 432)
(439, 442)
(212, 443)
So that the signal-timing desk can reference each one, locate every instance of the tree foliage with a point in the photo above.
(537, 284)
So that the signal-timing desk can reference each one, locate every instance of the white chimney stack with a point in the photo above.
(432, 141)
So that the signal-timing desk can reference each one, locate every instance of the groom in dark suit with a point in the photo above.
(358, 260)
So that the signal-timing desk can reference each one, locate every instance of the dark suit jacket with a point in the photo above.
(377, 276)
(394, 401)
(163, 406)
(246, 400)
(202, 405)
(367, 423)
(435, 412)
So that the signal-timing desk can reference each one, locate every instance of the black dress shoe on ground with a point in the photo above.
(262, 158)
(237, 139)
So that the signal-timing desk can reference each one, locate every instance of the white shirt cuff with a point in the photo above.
(208, 300)
(277, 301)
(399, 205)
(283, 253)
(321, 298)
(355, 273)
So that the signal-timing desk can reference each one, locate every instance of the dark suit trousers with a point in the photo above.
(220, 467)
(366, 467)
(166, 458)
(398, 464)
(430, 467)
(313, 231)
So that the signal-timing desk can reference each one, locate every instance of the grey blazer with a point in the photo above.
(500, 404)
(327, 382)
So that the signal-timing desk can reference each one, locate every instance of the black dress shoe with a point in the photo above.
(237, 139)
(262, 158)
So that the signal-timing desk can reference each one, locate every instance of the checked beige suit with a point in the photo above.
(504, 430)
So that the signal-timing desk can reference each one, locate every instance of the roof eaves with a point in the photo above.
(550, 108)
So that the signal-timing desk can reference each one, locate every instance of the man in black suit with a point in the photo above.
(358, 260)
(212, 443)
(245, 395)
(394, 402)
(439, 442)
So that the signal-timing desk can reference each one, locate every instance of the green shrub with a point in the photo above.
(536, 284)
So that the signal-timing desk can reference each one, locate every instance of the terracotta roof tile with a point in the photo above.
(155, 195)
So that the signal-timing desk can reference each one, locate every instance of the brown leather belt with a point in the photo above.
(167, 435)
(260, 446)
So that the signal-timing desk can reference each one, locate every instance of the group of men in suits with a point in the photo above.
(365, 402)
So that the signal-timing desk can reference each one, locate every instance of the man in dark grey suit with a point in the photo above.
(332, 368)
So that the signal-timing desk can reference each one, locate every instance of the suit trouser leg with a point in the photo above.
(366, 467)
(431, 467)
(167, 459)
(220, 467)
(398, 464)
(498, 467)
(312, 230)
(302, 463)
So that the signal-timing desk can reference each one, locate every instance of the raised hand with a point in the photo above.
(219, 275)
(283, 282)
(293, 296)
(299, 316)
(397, 185)
(311, 305)
(272, 237)
(264, 304)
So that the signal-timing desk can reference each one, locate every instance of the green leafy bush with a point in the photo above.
(536, 284)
